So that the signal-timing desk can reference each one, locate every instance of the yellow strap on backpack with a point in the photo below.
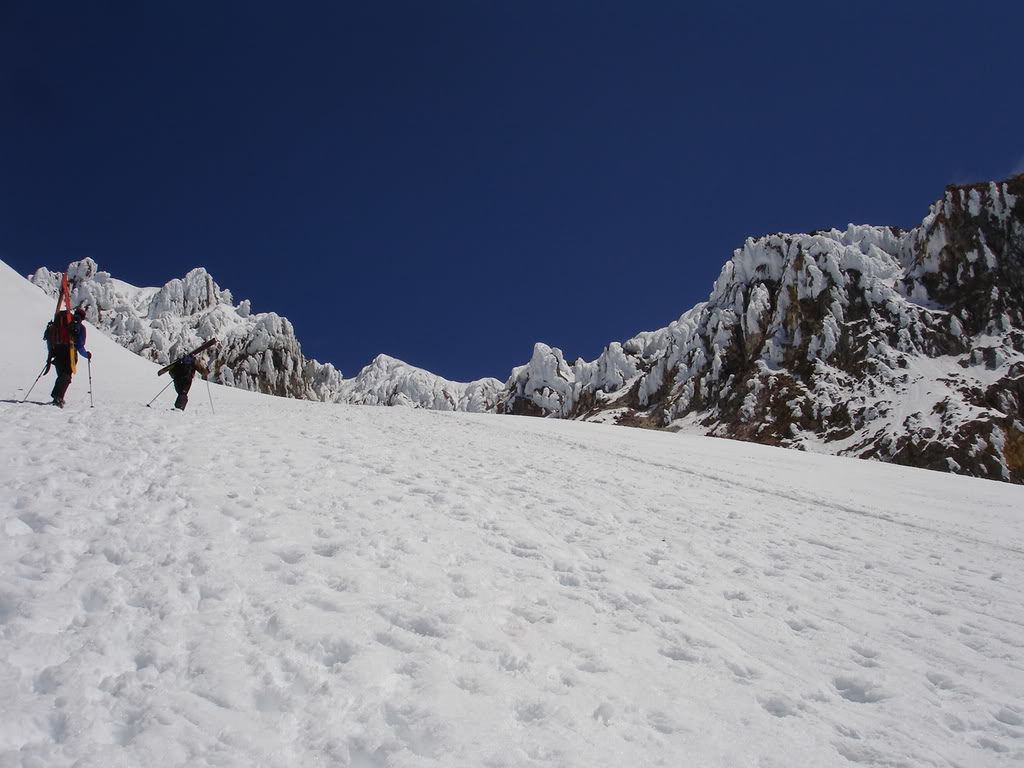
(74, 359)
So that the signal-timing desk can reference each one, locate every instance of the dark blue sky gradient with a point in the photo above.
(448, 182)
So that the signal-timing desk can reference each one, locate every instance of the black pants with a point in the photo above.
(182, 376)
(62, 363)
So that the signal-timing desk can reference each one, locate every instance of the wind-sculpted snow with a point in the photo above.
(401, 588)
(871, 342)
(387, 381)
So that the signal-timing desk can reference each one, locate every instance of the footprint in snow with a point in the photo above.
(36, 523)
(779, 706)
(568, 579)
(1009, 716)
(661, 722)
(678, 653)
(604, 713)
(469, 684)
(290, 556)
(530, 711)
(513, 663)
(941, 681)
(743, 673)
(736, 595)
(424, 625)
(800, 626)
(995, 746)
(335, 651)
(328, 606)
(394, 641)
(866, 657)
(93, 601)
(327, 549)
(858, 690)
(655, 557)
(459, 586)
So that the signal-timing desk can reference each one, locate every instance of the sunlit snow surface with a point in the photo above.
(287, 583)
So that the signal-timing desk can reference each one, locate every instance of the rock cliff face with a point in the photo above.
(872, 342)
(903, 346)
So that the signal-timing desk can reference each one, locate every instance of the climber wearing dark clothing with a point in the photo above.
(65, 341)
(181, 373)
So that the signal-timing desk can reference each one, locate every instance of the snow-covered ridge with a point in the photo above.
(871, 341)
(388, 381)
(257, 352)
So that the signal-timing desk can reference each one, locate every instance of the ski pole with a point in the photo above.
(35, 382)
(210, 396)
(91, 404)
(159, 393)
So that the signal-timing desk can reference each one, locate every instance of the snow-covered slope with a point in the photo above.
(286, 582)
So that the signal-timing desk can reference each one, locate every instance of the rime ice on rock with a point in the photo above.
(868, 341)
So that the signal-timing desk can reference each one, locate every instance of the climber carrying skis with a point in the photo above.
(182, 370)
(65, 341)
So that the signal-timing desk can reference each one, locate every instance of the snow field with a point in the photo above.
(289, 583)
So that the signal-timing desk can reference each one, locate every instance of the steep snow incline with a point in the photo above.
(292, 583)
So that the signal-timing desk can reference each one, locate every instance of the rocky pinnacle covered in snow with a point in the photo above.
(387, 381)
(904, 346)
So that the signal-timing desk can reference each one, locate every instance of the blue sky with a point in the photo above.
(449, 182)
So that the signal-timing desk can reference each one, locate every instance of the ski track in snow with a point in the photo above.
(289, 583)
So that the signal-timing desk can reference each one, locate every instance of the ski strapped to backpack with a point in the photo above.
(196, 351)
(60, 330)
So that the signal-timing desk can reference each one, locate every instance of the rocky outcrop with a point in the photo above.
(870, 342)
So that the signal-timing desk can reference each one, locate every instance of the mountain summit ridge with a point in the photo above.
(900, 345)
(905, 346)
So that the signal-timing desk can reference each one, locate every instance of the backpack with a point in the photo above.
(63, 329)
